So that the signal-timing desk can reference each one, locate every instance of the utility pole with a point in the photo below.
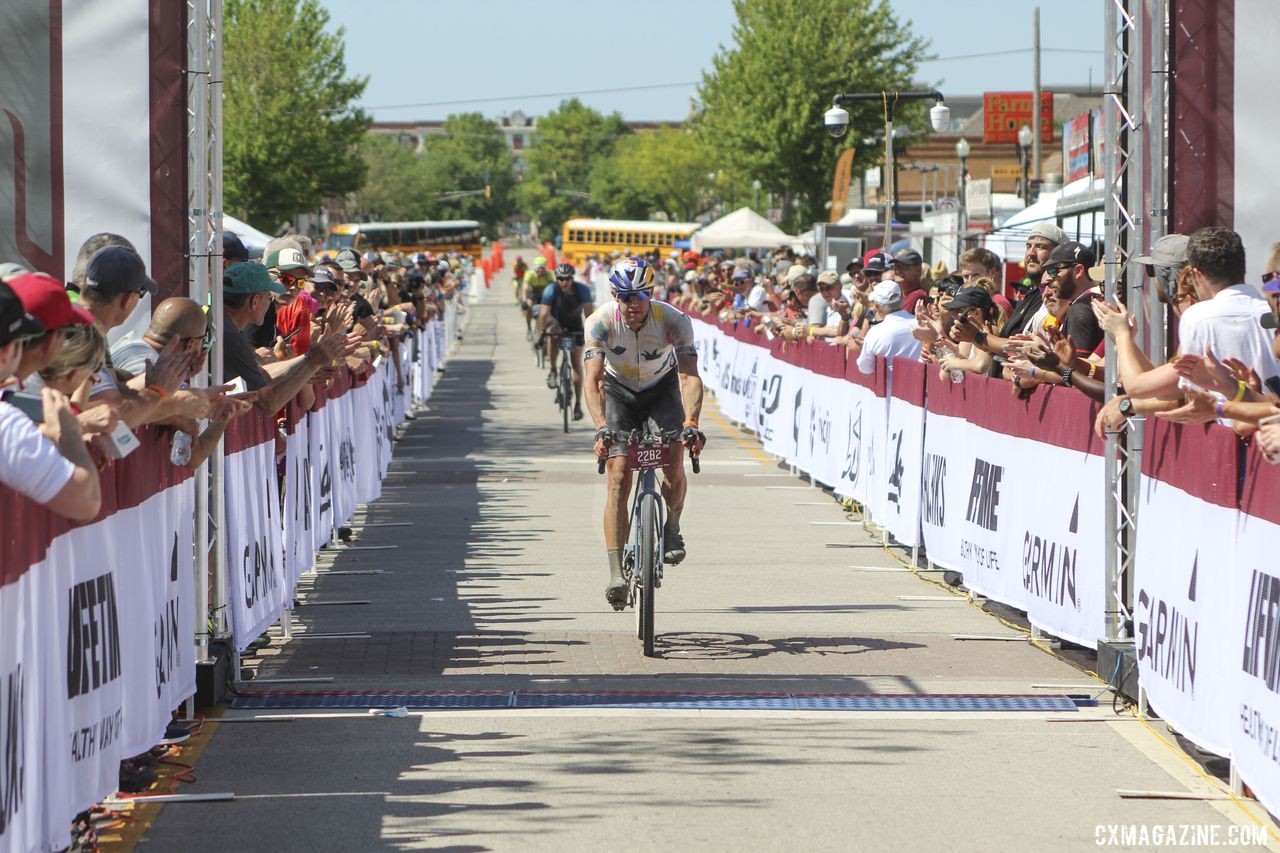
(1035, 93)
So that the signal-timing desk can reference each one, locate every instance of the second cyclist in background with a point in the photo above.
(562, 307)
(535, 280)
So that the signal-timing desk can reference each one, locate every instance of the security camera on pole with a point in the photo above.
(836, 120)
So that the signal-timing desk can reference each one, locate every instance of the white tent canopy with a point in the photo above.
(254, 240)
(742, 229)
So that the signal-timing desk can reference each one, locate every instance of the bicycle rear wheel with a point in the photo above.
(647, 567)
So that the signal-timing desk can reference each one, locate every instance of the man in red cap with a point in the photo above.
(45, 298)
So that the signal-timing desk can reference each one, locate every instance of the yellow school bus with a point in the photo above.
(599, 237)
(460, 235)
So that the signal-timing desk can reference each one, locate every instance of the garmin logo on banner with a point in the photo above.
(93, 635)
(1168, 638)
(347, 459)
(934, 497)
(984, 494)
(166, 629)
(1262, 630)
(853, 451)
(1049, 567)
(895, 473)
(13, 748)
(259, 568)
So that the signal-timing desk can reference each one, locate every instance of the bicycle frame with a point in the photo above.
(646, 540)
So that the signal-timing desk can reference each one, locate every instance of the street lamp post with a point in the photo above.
(836, 120)
(755, 185)
(1024, 160)
(962, 151)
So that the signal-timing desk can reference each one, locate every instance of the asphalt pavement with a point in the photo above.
(495, 586)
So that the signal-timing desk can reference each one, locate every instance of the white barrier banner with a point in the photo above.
(945, 491)
(322, 519)
(342, 435)
(22, 714)
(815, 439)
(1182, 604)
(902, 454)
(84, 659)
(258, 590)
(299, 511)
(370, 407)
(1252, 652)
(1055, 530)
(875, 416)
(157, 593)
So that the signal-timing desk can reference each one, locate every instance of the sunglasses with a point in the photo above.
(1057, 269)
(642, 295)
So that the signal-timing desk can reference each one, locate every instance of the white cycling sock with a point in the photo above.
(615, 565)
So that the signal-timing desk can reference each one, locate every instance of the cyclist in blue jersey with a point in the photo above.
(641, 365)
(563, 305)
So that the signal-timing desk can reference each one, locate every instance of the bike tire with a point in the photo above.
(647, 565)
(566, 390)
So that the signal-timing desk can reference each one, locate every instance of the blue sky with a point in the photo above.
(488, 55)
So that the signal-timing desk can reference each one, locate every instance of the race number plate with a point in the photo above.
(642, 457)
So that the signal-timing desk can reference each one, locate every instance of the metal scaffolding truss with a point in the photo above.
(1134, 114)
(204, 279)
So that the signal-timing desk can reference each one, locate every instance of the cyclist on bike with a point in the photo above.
(563, 305)
(535, 280)
(641, 365)
(517, 276)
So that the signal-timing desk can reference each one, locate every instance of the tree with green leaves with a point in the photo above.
(570, 140)
(469, 156)
(396, 185)
(665, 171)
(763, 99)
(291, 129)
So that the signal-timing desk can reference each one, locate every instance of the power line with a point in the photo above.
(1010, 53)
(527, 97)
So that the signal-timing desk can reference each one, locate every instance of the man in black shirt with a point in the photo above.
(247, 291)
(1067, 270)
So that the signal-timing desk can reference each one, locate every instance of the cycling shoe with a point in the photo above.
(552, 380)
(673, 549)
(616, 594)
(577, 413)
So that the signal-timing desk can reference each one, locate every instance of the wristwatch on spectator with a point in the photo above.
(1126, 406)
(1066, 375)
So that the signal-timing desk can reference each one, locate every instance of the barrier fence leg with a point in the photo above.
(286, 623)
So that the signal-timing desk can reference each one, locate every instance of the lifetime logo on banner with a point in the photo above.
(983, 511)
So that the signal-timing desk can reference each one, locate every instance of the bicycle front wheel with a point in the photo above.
(566, 389)
(647, 557)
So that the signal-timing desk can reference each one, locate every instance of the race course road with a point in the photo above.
(493, 593)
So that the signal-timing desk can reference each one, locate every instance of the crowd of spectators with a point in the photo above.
(72, 393)
(1051, 327)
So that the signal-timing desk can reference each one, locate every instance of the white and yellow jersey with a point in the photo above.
(639, 359)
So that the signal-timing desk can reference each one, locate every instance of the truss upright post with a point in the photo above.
(1123, 222)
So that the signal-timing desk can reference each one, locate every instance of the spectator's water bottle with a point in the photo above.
(957, 376)
(180, 451)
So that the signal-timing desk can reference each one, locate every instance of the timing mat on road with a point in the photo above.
(530, 699)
